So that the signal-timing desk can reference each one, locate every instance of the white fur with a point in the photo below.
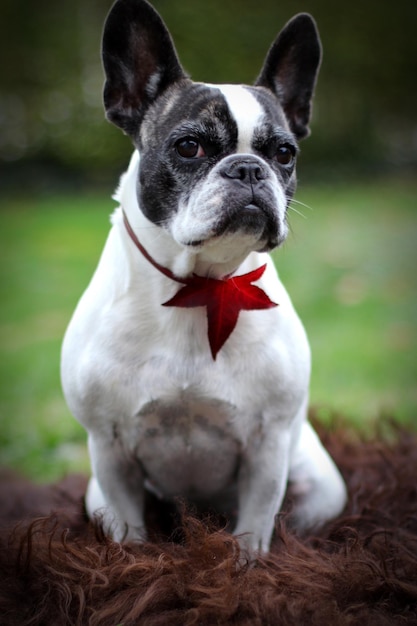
(247, 112)
(141, 379)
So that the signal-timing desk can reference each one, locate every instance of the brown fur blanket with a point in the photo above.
(58, 569)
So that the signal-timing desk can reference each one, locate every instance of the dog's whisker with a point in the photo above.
(303, 204)
(158, 236)
(291, 208)
(157, 233)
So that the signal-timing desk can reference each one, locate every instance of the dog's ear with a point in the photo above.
(139, 60)
(290, 70)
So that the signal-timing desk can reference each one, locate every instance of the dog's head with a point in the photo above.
(217, 167)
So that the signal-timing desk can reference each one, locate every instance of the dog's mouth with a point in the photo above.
(252, 220)
(255, 219)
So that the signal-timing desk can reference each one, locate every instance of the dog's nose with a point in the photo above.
(247, 171)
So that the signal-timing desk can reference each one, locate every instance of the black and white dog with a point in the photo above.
(185, 360)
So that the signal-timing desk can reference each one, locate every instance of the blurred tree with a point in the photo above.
(51, 77)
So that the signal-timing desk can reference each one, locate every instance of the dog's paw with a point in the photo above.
(251, 547)
(121, 532)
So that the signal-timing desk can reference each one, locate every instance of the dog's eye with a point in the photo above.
(189, 148)
(285, 155)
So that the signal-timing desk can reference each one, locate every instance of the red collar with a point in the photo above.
(223, 298)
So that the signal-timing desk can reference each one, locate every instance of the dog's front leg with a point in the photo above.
(262, 484)
(116, 490)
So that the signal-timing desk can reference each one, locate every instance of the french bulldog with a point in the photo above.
(185, 360)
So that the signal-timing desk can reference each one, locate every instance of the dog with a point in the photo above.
(185, 360)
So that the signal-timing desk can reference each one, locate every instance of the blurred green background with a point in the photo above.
(349, 264)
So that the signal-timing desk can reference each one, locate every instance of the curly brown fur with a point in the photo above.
(358, 569)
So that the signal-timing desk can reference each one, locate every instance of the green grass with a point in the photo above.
(349, 264)
(351, 269)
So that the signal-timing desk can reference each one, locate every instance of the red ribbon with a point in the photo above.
(223, 298)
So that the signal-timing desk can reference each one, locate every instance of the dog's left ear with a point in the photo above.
(139, 60)
(290, 70)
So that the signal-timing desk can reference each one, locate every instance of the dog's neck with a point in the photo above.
(161, 246)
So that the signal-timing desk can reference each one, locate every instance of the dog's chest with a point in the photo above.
(187, 445)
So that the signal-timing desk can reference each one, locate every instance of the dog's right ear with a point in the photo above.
(139, 60)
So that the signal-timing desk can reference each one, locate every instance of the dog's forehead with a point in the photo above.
(246, 111)
(239, 110)
(248, 107)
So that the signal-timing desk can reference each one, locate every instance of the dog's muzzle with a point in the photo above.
(252, 206)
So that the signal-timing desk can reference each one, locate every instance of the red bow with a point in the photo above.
(224, 299)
